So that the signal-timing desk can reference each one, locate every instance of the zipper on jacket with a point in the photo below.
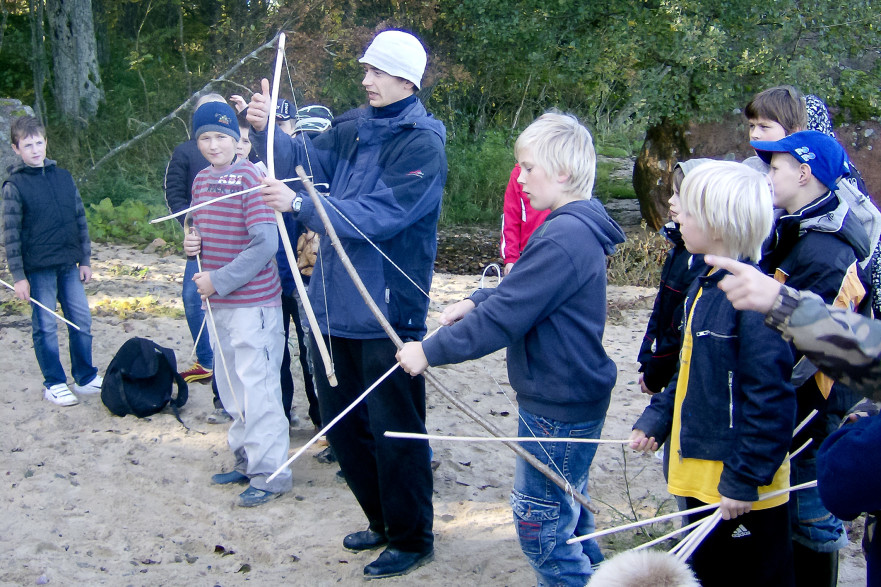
(388, 295)
(714, 334)
(730, 399)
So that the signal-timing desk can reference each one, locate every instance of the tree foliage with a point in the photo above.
(493, 64)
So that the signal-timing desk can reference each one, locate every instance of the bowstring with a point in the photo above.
(320, 256)
(569, 488)
(379, 250)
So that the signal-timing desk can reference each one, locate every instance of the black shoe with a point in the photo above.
(393, 562)
(326, 456)
(364, 540)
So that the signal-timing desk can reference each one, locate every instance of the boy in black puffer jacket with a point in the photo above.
(659, 353)
(48, 249)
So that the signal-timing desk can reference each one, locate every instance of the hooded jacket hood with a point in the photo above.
(593, 214)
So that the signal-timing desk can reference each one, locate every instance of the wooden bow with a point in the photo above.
(285, 239)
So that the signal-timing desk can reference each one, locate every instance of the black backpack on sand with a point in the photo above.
(139, 380)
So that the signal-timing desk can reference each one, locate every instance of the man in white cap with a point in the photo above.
(386, 169)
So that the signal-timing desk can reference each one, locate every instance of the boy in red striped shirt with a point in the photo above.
(238, 239)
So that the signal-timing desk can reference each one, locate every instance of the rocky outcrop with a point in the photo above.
(10, 109)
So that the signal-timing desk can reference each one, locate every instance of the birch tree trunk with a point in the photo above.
(74, 58)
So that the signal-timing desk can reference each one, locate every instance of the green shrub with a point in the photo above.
(129, 222)
(612, 151)
(476, 180)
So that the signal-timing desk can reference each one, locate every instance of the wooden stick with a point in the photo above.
(804, 423)
(417, 436)
(198, 338)
(215, 200)
(799, 449)
(279, 219)
(684, 542)
(333, 422)
(39, 305)
(640, 523)
(387, 327)
(669, 535)
(119, 148)
(340, 416)
(189, 222)
(673, 515)
(699, 535)
(703, 508)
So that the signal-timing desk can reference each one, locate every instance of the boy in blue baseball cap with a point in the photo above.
(815, 245)
(804, 166)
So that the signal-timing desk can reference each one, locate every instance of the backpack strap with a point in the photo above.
(179, 399)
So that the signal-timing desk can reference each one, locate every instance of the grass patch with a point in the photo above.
(128, 271)
(612, 151)
(15, 307)
(135, 308)
(609, 187)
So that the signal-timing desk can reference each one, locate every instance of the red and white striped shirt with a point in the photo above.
(224, 226)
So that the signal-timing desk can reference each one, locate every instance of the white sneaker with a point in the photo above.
(92, 387)
(60, 394)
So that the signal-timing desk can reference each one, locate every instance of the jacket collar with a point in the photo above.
(712, 279)
(20, 167)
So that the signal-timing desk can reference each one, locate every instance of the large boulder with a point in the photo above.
(727, 139)
(10, 109)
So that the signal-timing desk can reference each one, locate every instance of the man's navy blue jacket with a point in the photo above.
(386, 176)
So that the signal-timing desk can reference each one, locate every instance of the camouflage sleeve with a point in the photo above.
(844, 345)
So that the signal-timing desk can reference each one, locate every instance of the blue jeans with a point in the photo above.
(545, 515)
(195, 315)
(813, 525)
(61, 284)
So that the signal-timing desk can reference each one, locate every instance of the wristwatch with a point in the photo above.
(296, 203)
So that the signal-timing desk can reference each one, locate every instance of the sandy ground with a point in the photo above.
(90, 498)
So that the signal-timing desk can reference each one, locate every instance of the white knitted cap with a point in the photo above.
(399, 54)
